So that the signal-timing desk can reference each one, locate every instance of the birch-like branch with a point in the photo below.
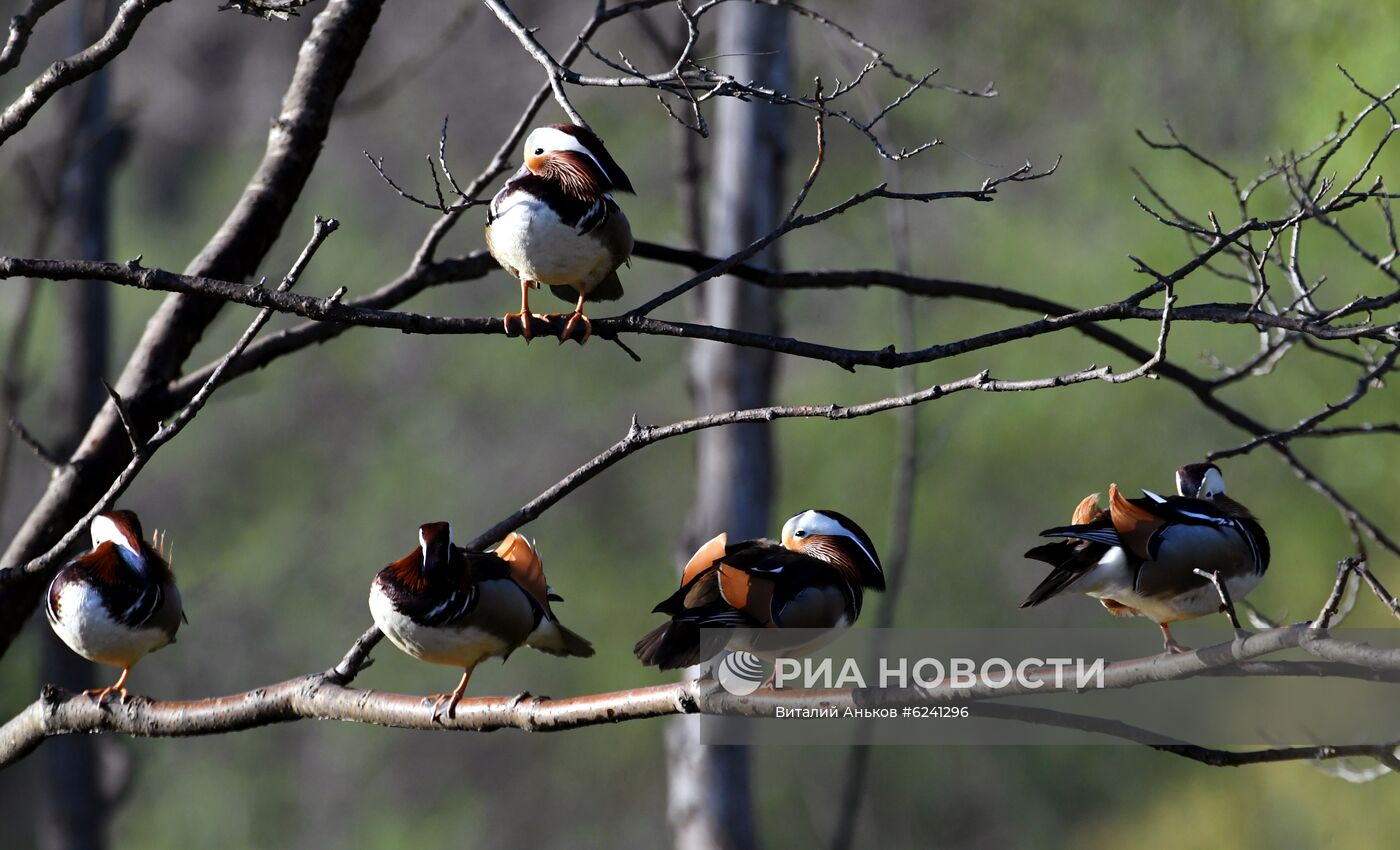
(323, 696)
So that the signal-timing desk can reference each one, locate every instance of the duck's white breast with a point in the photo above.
(86, 626)
(529, 236)
(458, 647)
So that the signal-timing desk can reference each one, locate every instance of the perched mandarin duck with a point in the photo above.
(1139, 557)
(117, 603)
(555, 223)
(813, 579)
(446, 605)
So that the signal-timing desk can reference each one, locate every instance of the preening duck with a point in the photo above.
(443, 604)
(813, 578)
(1139, 557)
(116, 603)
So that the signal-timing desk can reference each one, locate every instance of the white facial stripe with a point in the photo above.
(1181, 485)
(1213, 484)
(423, 542)
(816, 522)
(105, 531)
(551, 139)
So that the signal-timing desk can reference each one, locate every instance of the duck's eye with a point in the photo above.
(539, 151)
(799, 533)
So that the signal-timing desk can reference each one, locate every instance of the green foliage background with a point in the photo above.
(297, 483)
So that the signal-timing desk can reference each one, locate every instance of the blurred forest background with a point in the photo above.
(299, 482)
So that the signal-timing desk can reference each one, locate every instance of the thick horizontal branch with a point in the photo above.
(322, 696)
(478, 264)
(328, 310)
(290, 340)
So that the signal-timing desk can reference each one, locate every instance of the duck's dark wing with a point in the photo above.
(605, 222)
(1068, 560)
(132, 597)
(448, 597)
(699, 615)
(1090, 537)
(1184, 518)
(1197, 534)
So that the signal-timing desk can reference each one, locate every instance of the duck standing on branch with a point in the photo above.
(555, 223)
(1155, 557)
(117, 603)
(813, 578)
(445, 605)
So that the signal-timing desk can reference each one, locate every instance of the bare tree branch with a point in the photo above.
(68, 71)
(50, 459)
(1367, 382)
(233, 252)
(350, 313)
(21, 25)
(319, 696)
(142, 452)
(272, 10)
(552, 68)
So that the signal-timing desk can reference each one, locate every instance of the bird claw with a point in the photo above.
(101, 695)
(439, 701)
(519, 698)
(526, 321)
(568, 332)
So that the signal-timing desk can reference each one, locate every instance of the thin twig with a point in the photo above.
(76, 67)
(147, 449)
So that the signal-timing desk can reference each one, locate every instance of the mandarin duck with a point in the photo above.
(555, 223)
(1140, 557)
(445, 605)
(813, 578)
(118, 602)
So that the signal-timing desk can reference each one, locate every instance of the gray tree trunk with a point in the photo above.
(75, 810)
(710, 797)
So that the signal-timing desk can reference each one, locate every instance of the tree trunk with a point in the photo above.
(324, 64)
(711, 801)
(74, 815)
